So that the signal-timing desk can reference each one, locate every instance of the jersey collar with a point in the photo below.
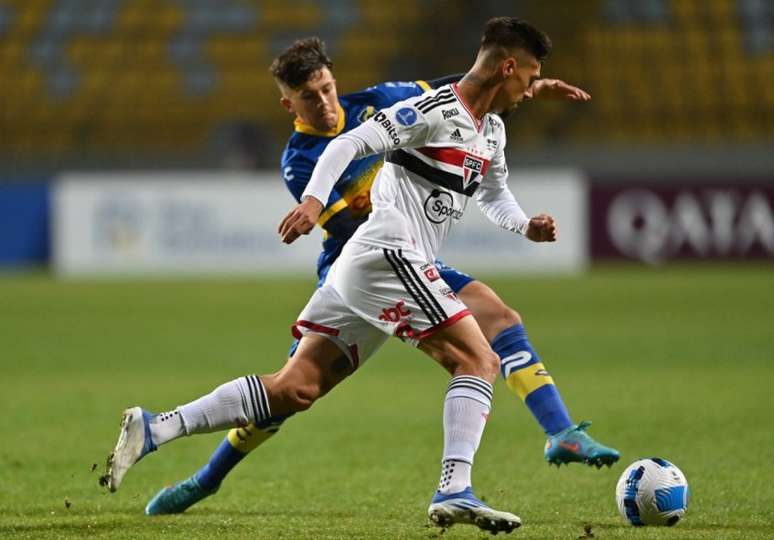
(476, 121)
(303, 127)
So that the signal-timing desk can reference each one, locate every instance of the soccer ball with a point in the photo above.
(652, 492)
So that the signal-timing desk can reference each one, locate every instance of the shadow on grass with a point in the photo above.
(705, 528)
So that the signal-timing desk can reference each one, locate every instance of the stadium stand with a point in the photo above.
(143, 78)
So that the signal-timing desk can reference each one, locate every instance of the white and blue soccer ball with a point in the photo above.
(652, 492)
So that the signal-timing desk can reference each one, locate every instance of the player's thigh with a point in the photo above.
(462, 349)
(489, 310)
(326, 315)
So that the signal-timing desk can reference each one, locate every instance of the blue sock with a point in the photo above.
(220, 464)
(238, 443)
(526, 376)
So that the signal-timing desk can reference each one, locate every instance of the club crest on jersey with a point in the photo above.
(406, 116)
(471, 170)
(366, 113)
(448, 293)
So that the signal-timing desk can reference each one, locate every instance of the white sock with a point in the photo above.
(455, 476)
(465, 411)
(166, 427)
(235, 403)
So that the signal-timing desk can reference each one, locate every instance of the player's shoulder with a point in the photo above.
(437, 106)
(302, 150)
(385, 94)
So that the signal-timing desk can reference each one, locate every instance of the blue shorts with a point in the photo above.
(455, 279)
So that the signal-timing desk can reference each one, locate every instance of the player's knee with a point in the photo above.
(490, 366)
(484, 364)
(497, 317)
(509, 317)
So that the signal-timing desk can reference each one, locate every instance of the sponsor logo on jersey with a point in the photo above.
(381, 119)
(395, 313)
(366, 113)
(439, 206)
(448, 113)
(432, 273)
(491, 144)
(471, 169)
(406, 116)
(456, 136)
(492, 122)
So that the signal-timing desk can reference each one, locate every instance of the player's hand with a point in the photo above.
(300, 220)
(542, 228)
(557, 90)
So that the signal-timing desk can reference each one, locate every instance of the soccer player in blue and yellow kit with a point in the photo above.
(303, 74)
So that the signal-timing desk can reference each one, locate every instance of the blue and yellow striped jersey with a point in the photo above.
(350, 202)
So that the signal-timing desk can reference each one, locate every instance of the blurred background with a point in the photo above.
(674, 154)
(141, 139)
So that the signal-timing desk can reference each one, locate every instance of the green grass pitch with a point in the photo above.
(674, 362)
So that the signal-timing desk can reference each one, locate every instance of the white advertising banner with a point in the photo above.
(175, 223)
(477, 245)
(189, 223)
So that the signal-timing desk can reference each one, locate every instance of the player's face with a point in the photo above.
(315, 102)
(519, 73)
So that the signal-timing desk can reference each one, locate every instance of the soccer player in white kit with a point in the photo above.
(441, 149)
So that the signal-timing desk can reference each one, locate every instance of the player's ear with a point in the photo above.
(509, 67)
(287, 105)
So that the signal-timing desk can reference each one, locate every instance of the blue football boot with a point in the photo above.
(465, 507)
(574, 444)
(178, 498)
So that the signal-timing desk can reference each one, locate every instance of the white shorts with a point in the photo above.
(373, 293)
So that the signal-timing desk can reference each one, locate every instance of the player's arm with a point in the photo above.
(499, 205)
(400, 126)
(296, 172)
(556, 89)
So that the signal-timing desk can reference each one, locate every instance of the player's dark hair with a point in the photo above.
(299, 61)
(512, 33)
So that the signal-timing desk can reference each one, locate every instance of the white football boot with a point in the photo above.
(465, 507)
(134, 443)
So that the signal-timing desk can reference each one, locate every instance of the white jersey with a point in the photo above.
(437, 155)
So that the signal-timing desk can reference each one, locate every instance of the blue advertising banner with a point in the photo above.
(24, 223)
